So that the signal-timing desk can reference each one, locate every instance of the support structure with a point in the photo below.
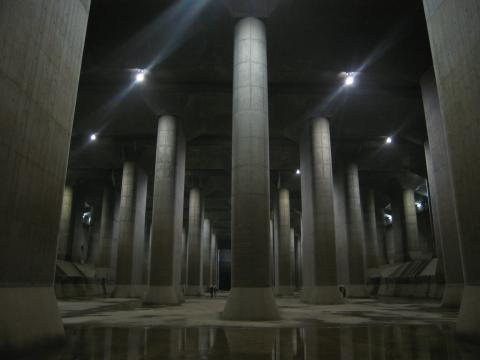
(206, 243)
(167, 215)
(356, 236)
(283, 262)
(194, 269)
(411, 225)
(131, 224)
(213, 260)
(65, 223)
(38, 90)
(441, 195)
(318, 220)
(372, 250)
(251, 297)
(454, 30)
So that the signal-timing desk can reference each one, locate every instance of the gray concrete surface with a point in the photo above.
(283, 262)
(194, 269)
(39, 73)
(318, 220)
(442, 198)
(454, 31)
(251, 296)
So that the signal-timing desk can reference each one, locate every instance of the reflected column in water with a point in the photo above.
(322, 343)
(163, 343)
(251, 343)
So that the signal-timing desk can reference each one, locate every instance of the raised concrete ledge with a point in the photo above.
(128, 291)
(194, 290)
(251, 304)
(322, 295)
(356, 291)
(452, 295)
(161, 295)
(283, 291)
(29, 317)
(468, 323)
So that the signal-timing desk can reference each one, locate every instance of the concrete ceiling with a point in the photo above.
(187, 47)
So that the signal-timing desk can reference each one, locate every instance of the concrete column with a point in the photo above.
(39, 72)
(283, 262)
(251, 297)
(292, 258)
(126, 282)
(167, 215)
(206, 238)
(106, 234)
(454, 29)
(411, 225)
(213, 260)
(356, 236)
(396, 251)
(382, 248)
(65, 222)
(194, 270)
(77, 253)
(183, 281)
(298, 254)
(441, 195)
(318, 220)
(371, 240)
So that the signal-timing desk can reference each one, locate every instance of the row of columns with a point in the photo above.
(30, 229)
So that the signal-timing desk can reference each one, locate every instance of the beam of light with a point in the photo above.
(297, 172)
(93, 137)
(389, 140)
(350, 79)
(140, 77)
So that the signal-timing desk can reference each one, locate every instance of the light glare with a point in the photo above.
(297, 172)
(349, 80)
(93, 137)
(389, 140)
(140, 77)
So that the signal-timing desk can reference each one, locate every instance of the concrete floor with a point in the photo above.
(360, 329)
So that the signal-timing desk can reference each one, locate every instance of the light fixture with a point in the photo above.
(388, 140)
(350, 79)
(419, 205)
(297, 172)
(93, 137)
(140, 76)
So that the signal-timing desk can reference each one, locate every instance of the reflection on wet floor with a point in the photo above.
(346, 343)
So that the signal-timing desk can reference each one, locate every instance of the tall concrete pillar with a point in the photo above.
(356, 235)
(206, 238)
(372, 250)
(194, 270)
(318, 220)
(251, 297)
(454, 29)
(382, 248)
(292, 258)
(213, 260)
(65, 223)
(442, 199)
(397, 250)
(183, 281)
(106, 234)
(38, 90)
(283, 261)
(411, 226)
(167, 215)
(130, 256)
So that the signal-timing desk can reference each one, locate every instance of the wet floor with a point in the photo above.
(382, 342)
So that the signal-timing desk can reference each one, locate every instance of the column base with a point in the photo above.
(128, 291)
(161, 295)
(283, 291)
(452, 295)
(322, 295)
(468, 323)
(29, 317)
(356, 291)
(251, 304)
(194, 290)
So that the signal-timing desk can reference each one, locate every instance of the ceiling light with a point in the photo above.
(388, 140)
(297, 172)
(93, 137)
(140, 76)
(349, 80)
(419, 205)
